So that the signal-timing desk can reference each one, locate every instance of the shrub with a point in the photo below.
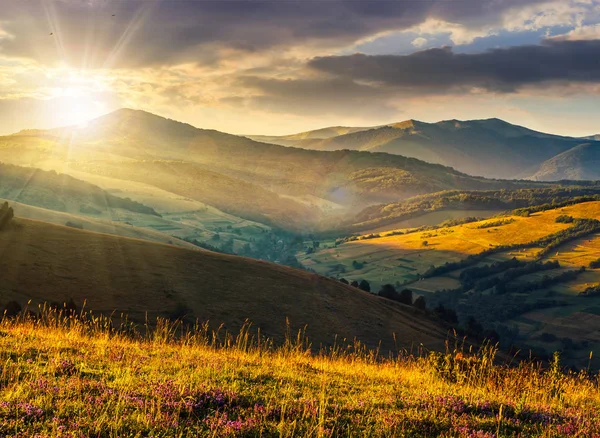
(564, 219)
(406, 297)
(364, 285)
(595, 264)
(388, 291)
(420, 303)
(6, 215)
(77, 225)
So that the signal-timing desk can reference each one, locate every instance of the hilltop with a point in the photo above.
(491, 148)
(48, 263)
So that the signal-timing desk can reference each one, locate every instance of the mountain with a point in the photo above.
(580, 163)
(593, 137)
(253, 180)
(492, 148)
(44, 263)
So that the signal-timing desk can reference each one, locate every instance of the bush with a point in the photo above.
(388, 291)
(564, 219)
(595, 264)
(354, 283)
(77, 225)
(406, 297)
(364, 285)
(6, 215)
(420, 303)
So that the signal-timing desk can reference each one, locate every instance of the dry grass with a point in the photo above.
(72, 379)
(45, 263)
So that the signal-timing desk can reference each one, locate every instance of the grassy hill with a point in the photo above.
(581, 162)
(222, 163)
(492, 148)
(80, 380)
(60, 192)
(455, 205)
(544, 307)
(44, 263)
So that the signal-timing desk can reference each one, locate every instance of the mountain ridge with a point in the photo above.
(491, 148)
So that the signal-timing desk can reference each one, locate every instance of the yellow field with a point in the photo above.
(399, 257)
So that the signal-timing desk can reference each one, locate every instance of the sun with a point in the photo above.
(76, 100)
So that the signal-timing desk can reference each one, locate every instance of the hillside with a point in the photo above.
(295, 139)
(44, 263)
(451, 205)
(580, 163)
(492, 148)
(128, 139)
(80, 380)
(61, 192)
(529, 275)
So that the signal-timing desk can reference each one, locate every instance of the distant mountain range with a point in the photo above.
(263, 182)
(491, 148)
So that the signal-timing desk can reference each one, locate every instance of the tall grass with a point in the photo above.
(82, 375)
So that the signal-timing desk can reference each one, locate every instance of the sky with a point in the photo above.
(285, 66)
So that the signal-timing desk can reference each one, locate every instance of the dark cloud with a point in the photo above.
(151, 32)
(503, 70)
(308, 97)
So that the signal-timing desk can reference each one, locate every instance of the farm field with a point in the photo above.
(445, 244)
(182, 217)
(552, 316)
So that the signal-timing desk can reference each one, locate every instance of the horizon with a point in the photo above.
(272, 68)
(86, 122)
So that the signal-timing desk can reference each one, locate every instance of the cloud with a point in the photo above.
(113, 33)
(497, 70)
(314, 96)
(590, 32)
(419, 42)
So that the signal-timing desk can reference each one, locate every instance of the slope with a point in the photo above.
(43, 262)
(580, 163)
(60, 192)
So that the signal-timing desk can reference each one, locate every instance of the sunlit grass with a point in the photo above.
(74, 378)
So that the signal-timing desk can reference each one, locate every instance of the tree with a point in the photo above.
(354, 283)
(425, 243)
(364, 285)
(388, 291)
(420, 303)
(406, 297)
(343, 280)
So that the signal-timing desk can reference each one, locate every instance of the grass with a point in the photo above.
(72, 378)
(454, 243)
